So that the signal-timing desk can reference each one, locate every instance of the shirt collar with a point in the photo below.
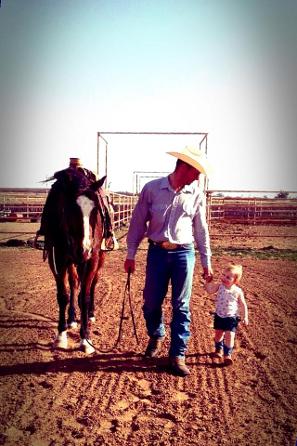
(165, 183)
(232, 288)
(188, 188)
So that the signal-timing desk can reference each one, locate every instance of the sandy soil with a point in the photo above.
(52, 398)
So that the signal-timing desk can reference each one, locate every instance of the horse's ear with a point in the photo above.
(62, 175)
(95, 186)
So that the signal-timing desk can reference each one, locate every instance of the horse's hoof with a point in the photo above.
(92, 319)
(61, 340)
(73, 325)
(87, 347)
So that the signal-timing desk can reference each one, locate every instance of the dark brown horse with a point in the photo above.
(73, 225)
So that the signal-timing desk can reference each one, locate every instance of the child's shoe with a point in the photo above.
(228, 359)
(219, 353)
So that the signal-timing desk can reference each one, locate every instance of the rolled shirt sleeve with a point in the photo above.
(201, 234)
(138, 224)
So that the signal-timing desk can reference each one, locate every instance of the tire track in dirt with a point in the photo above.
(265, 377)
(273, 313)
(129, 398)
(31, 315)
(118, 399)
(111, 389)
(98, 391)
(143, 394)
(222, 385)
(222, 403)
(114, 328)
(149, 414)
(210, 376)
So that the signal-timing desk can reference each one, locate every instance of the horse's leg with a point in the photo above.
(63, 300)
(91, 307)
(88, 272)
(60, 274)
(93, 288)
(74, 288)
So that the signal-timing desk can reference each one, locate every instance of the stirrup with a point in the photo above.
(35, 239)
(109, 244)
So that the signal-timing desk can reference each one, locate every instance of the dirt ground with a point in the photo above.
(61, 398)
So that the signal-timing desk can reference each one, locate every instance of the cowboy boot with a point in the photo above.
(153, 347)
(178, 366)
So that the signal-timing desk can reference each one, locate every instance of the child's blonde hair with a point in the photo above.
(236, 270)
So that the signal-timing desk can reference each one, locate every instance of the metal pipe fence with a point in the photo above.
(250, 209)
(233, 207)
(27, 205)
(123, 206)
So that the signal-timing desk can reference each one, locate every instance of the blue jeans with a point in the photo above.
(163, 266)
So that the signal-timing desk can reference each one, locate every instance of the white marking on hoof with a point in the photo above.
(61, 340)
(116, 245)
(87, 347)
(92, 319)
(73, 325)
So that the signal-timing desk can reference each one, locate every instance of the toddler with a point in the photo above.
(229, 302)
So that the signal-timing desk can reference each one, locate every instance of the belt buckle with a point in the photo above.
(168, 245)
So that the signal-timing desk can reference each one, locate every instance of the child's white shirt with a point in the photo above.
(227, 301)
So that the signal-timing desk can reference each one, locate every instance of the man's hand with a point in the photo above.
(207, 274)
(129, 266)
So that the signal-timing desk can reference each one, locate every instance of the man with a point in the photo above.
(171, 213)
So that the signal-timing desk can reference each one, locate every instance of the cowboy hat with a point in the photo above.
(195, 158)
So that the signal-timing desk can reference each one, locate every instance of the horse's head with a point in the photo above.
(74, 217)
(88, 200)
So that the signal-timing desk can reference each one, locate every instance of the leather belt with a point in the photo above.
(165, 244)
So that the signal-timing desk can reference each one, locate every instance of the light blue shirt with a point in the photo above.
(163, 214)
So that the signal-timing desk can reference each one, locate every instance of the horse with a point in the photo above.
(74, 227)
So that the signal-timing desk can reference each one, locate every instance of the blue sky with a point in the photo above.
(71, 68)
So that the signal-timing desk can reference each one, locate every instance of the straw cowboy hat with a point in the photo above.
(194, 157)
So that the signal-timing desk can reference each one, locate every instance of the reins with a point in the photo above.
(127, 293)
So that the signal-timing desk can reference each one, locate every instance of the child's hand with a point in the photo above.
(245, 321)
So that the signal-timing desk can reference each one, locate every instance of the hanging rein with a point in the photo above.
(127, 294)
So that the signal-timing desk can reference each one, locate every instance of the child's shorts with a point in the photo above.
(225, 323)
